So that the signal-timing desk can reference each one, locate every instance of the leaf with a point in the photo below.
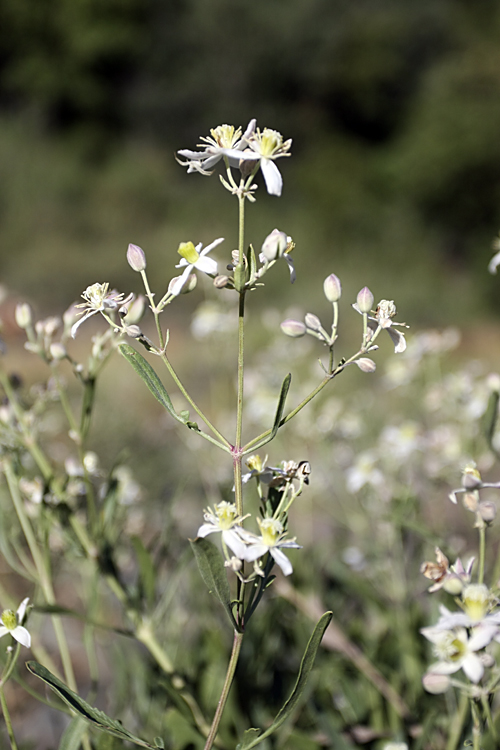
(212, 570)
(490, 418)
(285, 387)
(252, 264)
(73, 734)
(151, 379)
(249, 738)
(93, 716)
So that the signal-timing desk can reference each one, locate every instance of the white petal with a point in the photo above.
(248, 132)
(77, 325)
(254, 551)
(473, 667)
(176, 287)
(206, 265)
(21, 635)
(3, 630)
(398, 340)
(210, 247)
(272, 177)
(193, 155)
(494, 263)
(282, 560)
(21, 610)
(207, 528)
(481, 636)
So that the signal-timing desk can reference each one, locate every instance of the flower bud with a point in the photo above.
(332, 288)
(293, 328)
(135, 311)
(57, 350)
(487, 510)
(471, 501)
(221, 281)
(364, 300)
(453, 584)
(133, 331)
(366, 365)
(188, 285)
(313, 322)
(136, 258)
(24, 315)
(436, 683)
(274, 245)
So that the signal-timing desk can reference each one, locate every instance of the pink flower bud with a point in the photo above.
(366, 365)
(436, 683)
(293, 328)
(332, 288)
(136, 258)
(487, 511)
(313, 322)
(365, 300)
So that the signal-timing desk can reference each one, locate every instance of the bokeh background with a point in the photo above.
(393, 106)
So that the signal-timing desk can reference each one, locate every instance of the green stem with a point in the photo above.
(482, 552)
(8, 722)
(233, 661)
(42, 571)
(457, 723)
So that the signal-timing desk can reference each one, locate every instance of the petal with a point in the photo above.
(194, 155)
(398, 340)
(21, 610)
(494, 263)
(206, 529)
(248, 133)
(176, 287)
(473, 667)
(282, 560)
(3, 630)
(21, 635)
(210, 247)
(206, 265)
(77, 325)
(291, 268)
(254, 551)
(272, 177)
(481, 636)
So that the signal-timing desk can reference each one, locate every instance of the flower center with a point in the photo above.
(95, 294)
(270, 141)
(270, 528)
(9, 619)
(226, 513)
(188, 251)
(225, 136)
(476, 599)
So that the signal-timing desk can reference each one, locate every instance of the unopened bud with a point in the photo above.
(136, 310)
(136, 258)
(313, 322)
(366, 365)
(221, 281)
(332, 288)
(436, 683)
(57, 350)
(24, 315)
(293, 328)
(453, 585)
(487, 510)
(471, 501)
(274, 245)
(133, 331)
(364, 300)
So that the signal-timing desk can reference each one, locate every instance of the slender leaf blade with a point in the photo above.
(93, 716)
(250, 739)
(214, 574)
(150, 378)
(73, 734)
(285, 387)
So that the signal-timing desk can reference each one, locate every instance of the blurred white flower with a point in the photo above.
(12, 623)
(223, 518)
(250, 546)
(98, 298)
(455, 650)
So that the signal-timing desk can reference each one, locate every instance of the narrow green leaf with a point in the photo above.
(212, 570)
(147, 572)
(151, 379)
(252, 263)
(285, 387)
(490, 418)
(250, 739)
(93, 716)
(73, 734)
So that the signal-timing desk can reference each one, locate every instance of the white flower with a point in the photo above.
(455, 650)
(476, 601)
(98, 298)
(224, 141)
(11, 623)
(250, 546)
(223, 518)
(267, 146)
(194, 257)
(383, 318)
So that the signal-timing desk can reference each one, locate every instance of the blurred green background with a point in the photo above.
(393, 106)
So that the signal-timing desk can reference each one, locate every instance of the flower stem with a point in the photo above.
(482, 552)
(237, 641)
(8, 722)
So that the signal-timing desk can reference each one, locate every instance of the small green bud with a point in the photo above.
(365, 300)
(24, 315)
(313, 322)
(293, 328)
(332, 288)
(136, 258)
(274, 245)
